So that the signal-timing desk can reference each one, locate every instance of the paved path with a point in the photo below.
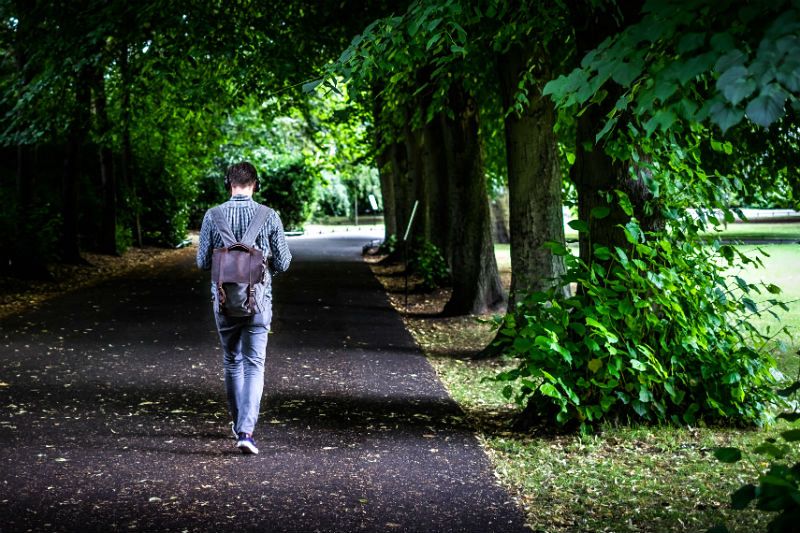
(112, 414)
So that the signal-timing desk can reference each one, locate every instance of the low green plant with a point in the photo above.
(660, 331)
(124, 238)
(778, 488)
(427, 261)
(389, 245)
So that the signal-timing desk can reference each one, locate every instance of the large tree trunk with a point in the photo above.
(385, 167)
(534, 178)
(384, 163)
(476, 282)
(420, 228)
(70, 246)
(402, 193)
(594, 172)
(434, 173)
(127, 173)
(108, 228)
(23, 260)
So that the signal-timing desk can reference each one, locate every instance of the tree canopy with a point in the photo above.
(652, 118)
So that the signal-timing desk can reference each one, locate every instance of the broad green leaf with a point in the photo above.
(578, 225)
(621, 255)
(625, 72)
(722, 42)
(600, 212)
(788, 73)
(738, 89)
(773, 289)
(625, 202)
(434, 23)
(645, 396)
(595, 365)
(732, 377)
(690, 42)
(663, 119)
(663, 90)
(725, 116)
(602, 253)
(640, 408)
(728, 455)
(632, 232)
(606, 402)
(610, 123)
(311, 85)
(549, 390)
(595, 324)
(767, 107)
(507, 392)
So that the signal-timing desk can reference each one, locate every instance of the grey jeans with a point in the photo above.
(244, 346)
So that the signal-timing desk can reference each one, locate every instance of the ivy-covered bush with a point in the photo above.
(660, 331)
(427, 260)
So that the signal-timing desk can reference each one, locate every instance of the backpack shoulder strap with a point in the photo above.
(256, 223)
(224, 229)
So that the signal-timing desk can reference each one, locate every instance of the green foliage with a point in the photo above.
(334, 199)
(167, 192)
(660, 332)
(290, 188)
(124, 238)
(695, 61)
(778, 488)
(389, 245)
(427, 261)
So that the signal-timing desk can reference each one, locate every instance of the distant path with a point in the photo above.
(112, 414)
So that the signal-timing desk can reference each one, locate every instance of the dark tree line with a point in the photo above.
(112, 111)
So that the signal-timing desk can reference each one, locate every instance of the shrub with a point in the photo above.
(427, 261)
(660, 332)
(334, 199)
(389, 245)
(290, 189)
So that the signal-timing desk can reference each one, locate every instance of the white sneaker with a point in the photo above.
(246, 444)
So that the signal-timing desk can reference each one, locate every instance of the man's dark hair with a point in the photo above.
(241, 175)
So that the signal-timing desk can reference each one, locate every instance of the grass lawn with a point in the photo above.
(781, 268)
(621, 479)
(624, 478)
(760, 230)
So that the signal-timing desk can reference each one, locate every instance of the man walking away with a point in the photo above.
(243, 330)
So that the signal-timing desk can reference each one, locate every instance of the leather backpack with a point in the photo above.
(238, 268)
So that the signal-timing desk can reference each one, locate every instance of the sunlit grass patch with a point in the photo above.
(758, 231)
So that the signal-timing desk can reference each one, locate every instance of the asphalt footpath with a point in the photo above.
(112, 413)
